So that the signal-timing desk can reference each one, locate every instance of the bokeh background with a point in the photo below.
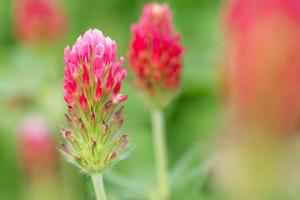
(31, 77)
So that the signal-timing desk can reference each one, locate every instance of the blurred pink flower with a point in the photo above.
(38, 20)
(37, 147)
(264, 62)
(155, 50)
(92, 84)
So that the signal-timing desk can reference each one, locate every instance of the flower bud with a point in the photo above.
(155, 54)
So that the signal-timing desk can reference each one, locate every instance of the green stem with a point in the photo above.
(160, 153)
(98, 186)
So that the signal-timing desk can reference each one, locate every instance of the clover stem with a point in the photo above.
(159, 143)
(98, 186)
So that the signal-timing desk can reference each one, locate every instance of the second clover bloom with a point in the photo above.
(92, 84)
(155, 52)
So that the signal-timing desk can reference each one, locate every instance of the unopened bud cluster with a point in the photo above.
(155, 54)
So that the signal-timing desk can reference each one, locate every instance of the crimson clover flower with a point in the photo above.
(93, 79)
(155, 54)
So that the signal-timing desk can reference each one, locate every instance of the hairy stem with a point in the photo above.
(98, 186)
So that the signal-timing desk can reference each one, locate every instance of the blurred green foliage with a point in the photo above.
(31, 81)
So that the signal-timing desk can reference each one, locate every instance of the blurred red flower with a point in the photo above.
(37, 147)
(264, 62)
(38, 20)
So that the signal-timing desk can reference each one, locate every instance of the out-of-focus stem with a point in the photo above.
(99, 186)
(159, 142)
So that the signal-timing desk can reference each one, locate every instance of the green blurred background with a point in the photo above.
(31, 82)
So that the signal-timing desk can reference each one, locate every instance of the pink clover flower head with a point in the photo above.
(93, 79)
